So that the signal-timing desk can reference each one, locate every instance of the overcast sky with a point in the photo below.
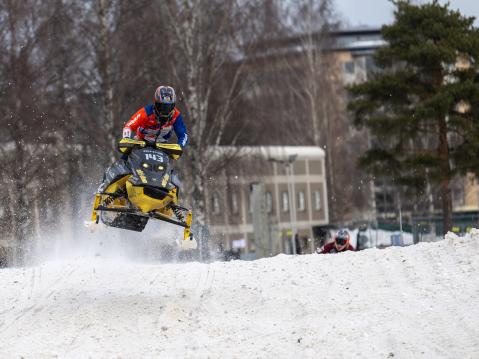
(378, 12)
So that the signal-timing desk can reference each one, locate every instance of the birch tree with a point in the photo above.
(26, 144)
(63, 48)
(100, 22)
(208, 47)
(314, 80)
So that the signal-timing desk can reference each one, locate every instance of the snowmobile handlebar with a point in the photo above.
(173, 150)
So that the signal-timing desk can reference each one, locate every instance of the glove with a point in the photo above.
(126, 133)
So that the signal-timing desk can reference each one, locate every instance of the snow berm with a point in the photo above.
(420, 301)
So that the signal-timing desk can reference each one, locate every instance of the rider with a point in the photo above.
(156, 122)
(340, 243)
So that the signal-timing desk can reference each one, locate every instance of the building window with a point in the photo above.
(348, 67)
(458, 197)
(317, 200)
(216, 203)
(269, 202)
(285, 201)
(234, 203)
(301, 203)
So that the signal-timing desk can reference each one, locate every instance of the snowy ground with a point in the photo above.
(378, 237)
(419, 301)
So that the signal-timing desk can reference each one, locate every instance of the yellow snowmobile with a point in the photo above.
(143, 187)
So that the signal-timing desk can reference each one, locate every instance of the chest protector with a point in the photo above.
(152, 130)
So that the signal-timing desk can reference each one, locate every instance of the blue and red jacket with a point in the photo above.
(144, 125)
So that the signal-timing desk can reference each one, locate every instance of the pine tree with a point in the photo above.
(421, 107)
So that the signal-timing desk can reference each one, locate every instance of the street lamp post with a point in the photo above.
(400, 217)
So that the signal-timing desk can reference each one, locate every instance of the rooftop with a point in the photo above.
(278, 153)
(354, 40)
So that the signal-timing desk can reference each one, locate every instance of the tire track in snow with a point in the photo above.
(431, 294)
(458, 283)
(387, 281)
(452, 283)
(417, 274)
(202, 290)
(192, 290)
(182, 311)
(39, 303)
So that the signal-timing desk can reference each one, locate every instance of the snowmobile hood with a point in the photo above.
(149, 167)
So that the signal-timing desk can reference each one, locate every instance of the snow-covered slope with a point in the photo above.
(416, 302)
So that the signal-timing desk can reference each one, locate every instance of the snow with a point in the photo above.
(404, 302)
(378, 237)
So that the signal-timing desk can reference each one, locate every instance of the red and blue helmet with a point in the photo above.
(165, 102)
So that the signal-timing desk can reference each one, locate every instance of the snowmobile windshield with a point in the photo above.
(150, 158)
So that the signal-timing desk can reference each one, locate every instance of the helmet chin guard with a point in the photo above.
(165, 102)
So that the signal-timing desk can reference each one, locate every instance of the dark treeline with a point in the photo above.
(72, 72)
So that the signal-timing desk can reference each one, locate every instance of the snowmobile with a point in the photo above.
(143, 187)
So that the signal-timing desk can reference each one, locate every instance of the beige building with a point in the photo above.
(298, 198)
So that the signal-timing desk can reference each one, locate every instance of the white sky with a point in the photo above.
(374, 13)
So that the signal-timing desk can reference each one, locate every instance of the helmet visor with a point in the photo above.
(164, 109)
(340, 240)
